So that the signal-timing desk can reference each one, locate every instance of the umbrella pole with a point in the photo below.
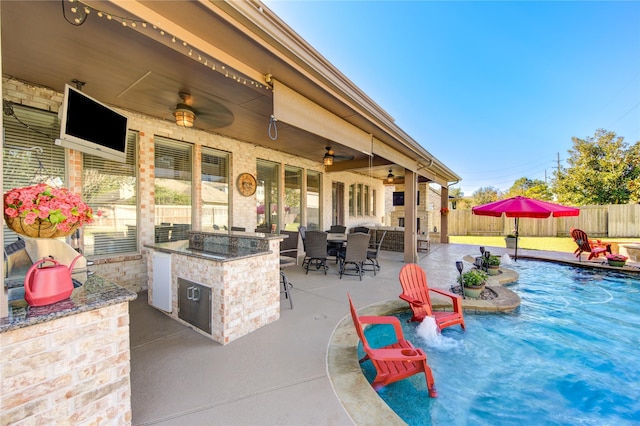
(517, 224)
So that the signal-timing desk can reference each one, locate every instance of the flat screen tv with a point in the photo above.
(398, 198)
(92, 127)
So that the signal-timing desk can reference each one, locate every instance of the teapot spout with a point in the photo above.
(73, 262)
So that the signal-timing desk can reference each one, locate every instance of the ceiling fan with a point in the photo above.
(330, 157)
(208, 111)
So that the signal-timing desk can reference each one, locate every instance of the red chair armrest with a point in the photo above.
(411, 300)
(399, 354)
(388, 320)
(444, 293)
(456, 300)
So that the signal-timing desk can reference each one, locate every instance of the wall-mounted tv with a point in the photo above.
(398, 198)
(92, 127)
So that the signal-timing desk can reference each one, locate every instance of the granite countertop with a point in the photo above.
(95, 292)
(218, 253)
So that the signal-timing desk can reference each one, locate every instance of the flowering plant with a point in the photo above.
(444, 210)
(42, 206)
(473, 278)
(616, 257)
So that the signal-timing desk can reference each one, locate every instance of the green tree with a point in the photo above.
(461, 202)
(532, 188)
(485, 195)
(633, 160)
(602, 170)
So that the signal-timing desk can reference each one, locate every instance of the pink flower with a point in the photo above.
(42, 203)
(11, 212)
(30, 218)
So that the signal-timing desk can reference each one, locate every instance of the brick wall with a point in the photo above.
(130, 271)
(73, 370)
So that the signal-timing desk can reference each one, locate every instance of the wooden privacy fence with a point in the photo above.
(612, 221)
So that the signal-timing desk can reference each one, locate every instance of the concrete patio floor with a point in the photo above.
(276, 375)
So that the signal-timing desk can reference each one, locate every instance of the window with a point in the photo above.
(292, 198)
(215, 189)
(268, 175)
(313, 200)
(29, 154)
(110, 188)
(367, 201)
(352, 205)
(360, 200)
(172, 186)
(373, 203)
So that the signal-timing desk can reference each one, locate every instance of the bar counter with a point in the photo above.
(224, 285)
(94, 293)
(67, 362)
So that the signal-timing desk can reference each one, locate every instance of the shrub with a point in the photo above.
(474, 278)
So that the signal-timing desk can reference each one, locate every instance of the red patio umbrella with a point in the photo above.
(519, 206)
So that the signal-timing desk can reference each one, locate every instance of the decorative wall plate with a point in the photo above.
(247, 184)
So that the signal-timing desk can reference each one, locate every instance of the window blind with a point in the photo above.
(111, 189)
(173, 189)
(29, 153)
(215, 189)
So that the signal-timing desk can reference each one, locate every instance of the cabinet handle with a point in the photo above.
(196, 294)
(190, 293)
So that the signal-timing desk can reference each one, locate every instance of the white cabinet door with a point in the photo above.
(161, 294)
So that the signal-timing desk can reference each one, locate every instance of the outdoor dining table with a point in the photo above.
(336, 238)
(336, 243)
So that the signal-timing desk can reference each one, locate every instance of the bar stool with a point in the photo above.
(286, 285)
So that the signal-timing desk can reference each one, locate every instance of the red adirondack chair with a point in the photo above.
(396, 361)
(594, 247)
(415, 291)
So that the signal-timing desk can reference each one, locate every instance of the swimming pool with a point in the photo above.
(570, 355)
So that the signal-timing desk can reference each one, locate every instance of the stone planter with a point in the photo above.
(493, 270)
(473, 292)
(510, 242)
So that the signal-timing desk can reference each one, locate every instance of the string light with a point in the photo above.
(206, 60)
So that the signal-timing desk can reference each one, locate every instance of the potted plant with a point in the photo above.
(492, 264)
(616, 260)
(473, 282)
(510, 241)
(42, 211)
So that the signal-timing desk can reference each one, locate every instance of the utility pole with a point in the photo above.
(558, 164)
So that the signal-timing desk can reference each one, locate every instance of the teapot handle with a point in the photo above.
(32, 269)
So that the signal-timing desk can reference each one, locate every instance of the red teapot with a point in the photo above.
(45, 285)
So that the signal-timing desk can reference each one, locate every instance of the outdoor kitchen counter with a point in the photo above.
(68, 362)
(95, 293)
(222, 284)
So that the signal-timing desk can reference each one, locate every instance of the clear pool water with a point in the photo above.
(569, 356)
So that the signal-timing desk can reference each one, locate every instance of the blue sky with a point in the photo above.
(495, 90)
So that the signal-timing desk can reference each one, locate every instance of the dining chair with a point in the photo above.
(303, 234)
(362, 229)
(316, 248)
(355, 254)
(373, 252)
(289, 246)
(334, 248)
(337, 229)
